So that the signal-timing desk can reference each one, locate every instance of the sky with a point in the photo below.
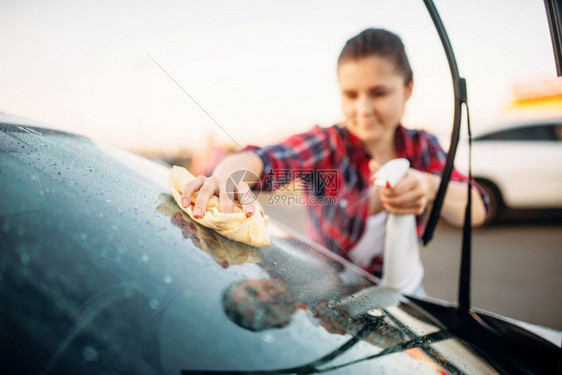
(251, 72)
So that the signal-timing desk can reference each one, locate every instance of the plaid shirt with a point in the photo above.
(332, 164)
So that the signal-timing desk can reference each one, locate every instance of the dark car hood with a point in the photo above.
(103, 273)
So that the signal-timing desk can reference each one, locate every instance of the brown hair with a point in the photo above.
(378, 42)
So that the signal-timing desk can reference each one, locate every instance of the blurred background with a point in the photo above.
(254, 72)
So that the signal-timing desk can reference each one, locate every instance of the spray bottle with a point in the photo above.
(402, 268)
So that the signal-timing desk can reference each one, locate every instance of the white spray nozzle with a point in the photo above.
(391, 173)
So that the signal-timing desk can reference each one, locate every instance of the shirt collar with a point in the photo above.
(401, 141)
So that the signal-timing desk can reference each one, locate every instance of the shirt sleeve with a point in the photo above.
(300, 153)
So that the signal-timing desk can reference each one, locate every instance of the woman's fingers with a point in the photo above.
(412, 204)
(246, 198)
(414, 210)
(408, 183)
(225, 201)
(209, 188)
(407, 199)
(259, 207)
(191, 188)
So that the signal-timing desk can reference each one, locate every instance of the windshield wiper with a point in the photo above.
(418, 342)
(422, 342)
(507, 347)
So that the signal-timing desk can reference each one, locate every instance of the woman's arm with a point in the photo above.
(307, 151)
(454, 204)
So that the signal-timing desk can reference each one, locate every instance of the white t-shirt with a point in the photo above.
(372, 243)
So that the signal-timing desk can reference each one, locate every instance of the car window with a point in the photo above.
(527, 133)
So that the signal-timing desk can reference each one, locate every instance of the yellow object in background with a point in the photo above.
(236, 226)
(540, 94)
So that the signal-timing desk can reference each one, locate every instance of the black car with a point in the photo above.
(101, 273)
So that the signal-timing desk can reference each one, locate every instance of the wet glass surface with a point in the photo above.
(102, 273)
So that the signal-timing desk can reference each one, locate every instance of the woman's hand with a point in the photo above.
(418, 189)
(213, 185)
(217, 185)
(409, 196)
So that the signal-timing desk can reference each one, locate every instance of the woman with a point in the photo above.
(375, 82)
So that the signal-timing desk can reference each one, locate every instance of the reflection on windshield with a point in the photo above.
(264, 304)
(269, 303)
(224, 252)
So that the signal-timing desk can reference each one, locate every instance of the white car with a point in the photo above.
(518, 164)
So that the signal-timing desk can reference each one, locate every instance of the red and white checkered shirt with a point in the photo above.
(331, 165)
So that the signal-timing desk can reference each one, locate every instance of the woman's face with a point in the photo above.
(374, 95)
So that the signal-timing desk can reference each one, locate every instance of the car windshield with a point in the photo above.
(103, 272)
